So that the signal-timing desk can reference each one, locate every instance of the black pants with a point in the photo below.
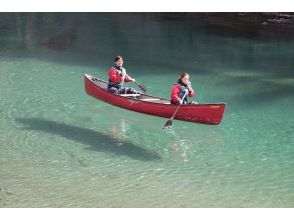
(184, 103)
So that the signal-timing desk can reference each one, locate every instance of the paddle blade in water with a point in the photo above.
(168, 124)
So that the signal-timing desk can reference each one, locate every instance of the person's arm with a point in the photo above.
(191, 90)
(127, 77)
(175, 93)
(113, 76)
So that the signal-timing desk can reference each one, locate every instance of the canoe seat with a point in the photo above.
(129, 95)
(149, 99)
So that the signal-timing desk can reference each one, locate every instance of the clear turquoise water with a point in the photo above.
(62, 148)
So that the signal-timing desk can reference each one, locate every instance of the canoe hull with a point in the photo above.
(211, 114)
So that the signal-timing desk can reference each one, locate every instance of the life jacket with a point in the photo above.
(113, 84)
(184, 88)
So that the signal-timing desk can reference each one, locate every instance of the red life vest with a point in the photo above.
(115, 77)
(178, 91)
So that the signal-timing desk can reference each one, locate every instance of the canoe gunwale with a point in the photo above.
(142, 100)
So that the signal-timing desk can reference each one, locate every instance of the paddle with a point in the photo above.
(169, 122)
(142, 87)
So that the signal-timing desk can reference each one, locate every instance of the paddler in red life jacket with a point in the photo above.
(179, 90)
(117, 76)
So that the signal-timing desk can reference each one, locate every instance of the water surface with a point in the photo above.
(62, 148)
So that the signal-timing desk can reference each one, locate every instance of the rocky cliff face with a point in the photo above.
(265, 25)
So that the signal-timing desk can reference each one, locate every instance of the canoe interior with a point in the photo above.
(139, 96)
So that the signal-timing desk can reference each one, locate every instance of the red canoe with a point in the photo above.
(211, 114)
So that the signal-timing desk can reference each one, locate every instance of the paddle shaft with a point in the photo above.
(178, 107)
(123, 79)
(126, 75)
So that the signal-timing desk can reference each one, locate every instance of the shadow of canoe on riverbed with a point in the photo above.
(95, 140)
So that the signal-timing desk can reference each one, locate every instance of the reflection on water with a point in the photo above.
(185, 143)
(179, 146)
(119, 131)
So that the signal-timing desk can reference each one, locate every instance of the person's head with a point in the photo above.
(184, 77)
(118, 61)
